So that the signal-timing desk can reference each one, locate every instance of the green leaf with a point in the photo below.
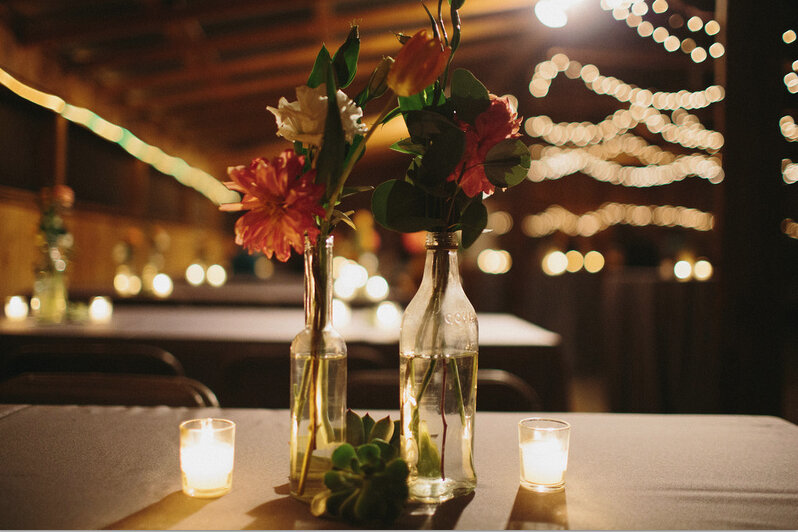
(408, 146)
(345, 59)
(423, 125)
(507, 163)
(368, 454)
(382, 429)
(469, 95)
(340, 216)
(456, 4)
(343, 455)
(333, 150)
(429, 459)
(473, 221)
(443, 155)
(319, 503)
(371, 505)
(319, 72)
(335, 481)
(386, 451)
(352, 190)
(399, 206)
(355, 435)
(368, 424)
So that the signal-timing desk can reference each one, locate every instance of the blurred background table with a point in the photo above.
(72, 467)
(241, 353)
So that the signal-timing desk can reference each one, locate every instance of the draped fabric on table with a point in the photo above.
(114, 467)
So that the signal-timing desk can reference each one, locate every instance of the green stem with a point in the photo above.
(389, 106)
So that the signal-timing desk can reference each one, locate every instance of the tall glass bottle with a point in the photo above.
(318, 379)
(438, 348)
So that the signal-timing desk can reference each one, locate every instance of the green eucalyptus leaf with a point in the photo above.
(400, 206)
(443, 154)
(343, 455)
(333, 151)
(469, 95)
(507, 163)
(318, 74)
(424, 125)
(408, 146)
(473, 221)
(355, 435)
(345, 59)
(382, 429)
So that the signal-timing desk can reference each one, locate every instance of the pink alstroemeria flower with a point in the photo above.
(281, 202)
(498, 122)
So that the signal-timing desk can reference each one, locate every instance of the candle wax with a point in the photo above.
(543, 462)
(207, 465)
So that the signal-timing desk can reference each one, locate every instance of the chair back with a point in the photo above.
(497, 390)
(106, 389)
(90, 356)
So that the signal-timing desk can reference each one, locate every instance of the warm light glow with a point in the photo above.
(377, 288)
(388, 315)
(575, 261)
(264, 268)
(594, 261)
(494, 261)
(100, 309)
(789, 171)
(659, 6)
(16, 308)
(695, 24)
(716, 50)
(342, 314)
(203, 182)
(702, 270)
(162, 285)
(682, 270)
(789, 36)
(207, 450)
(195, 274)
(712, 27)
(500, 222)
(216, 275)
(551, 13)
(555, 263)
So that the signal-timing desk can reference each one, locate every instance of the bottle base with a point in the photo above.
(433, 491)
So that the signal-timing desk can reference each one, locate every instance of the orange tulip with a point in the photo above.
(420, 61)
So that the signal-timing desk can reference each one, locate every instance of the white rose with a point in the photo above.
(303, 120)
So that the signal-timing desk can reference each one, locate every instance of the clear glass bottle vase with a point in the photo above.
(438, 348)
(318, 379)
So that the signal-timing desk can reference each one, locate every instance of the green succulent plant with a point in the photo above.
(367, 484)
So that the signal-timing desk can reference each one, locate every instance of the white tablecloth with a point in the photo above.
(117, 467)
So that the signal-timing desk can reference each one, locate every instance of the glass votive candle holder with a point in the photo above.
(16, 308)
(100, 309)
(206, 456)
(543, 449)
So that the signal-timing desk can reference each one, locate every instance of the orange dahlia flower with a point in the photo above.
(498, 122)
(281, 202)
(420, 61)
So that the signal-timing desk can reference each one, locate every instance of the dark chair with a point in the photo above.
(90, 356)
(497, 390)
(264, 381)
(106, 389)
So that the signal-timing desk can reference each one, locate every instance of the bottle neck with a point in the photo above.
(318, 283)
(441, 268)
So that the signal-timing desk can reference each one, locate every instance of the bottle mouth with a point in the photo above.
(442, 240)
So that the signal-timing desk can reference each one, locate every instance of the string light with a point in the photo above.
(555, 163)
(555, 262)
(789, 171)
(632, 11)
(546, 71)
(790, 228)
(788, 36)
(176, 167)
(788, 128)
(557, 218)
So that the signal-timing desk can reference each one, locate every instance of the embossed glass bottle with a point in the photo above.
(438, 349)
